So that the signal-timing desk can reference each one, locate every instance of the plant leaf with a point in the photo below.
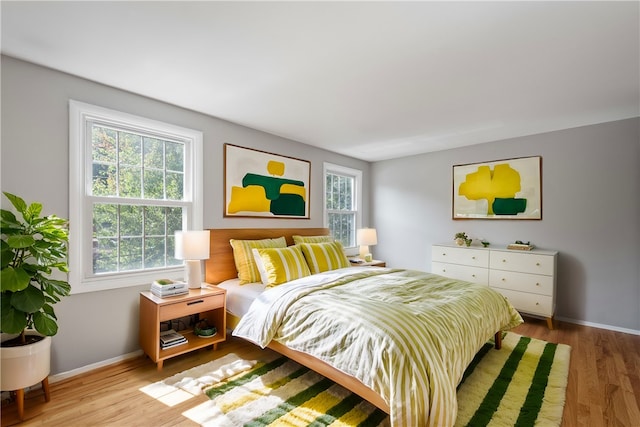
(45, 324)
(14, 279)
(20, 241)
(55, 288)
(17, 202)
(33, 211)
(28, 300)
(12, 321)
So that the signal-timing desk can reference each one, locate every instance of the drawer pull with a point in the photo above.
(537, 303)
(473, 275)
(195, 302)
(473, 257)
(503, 279)
(537, 284)
(504, 260)
(537, 264)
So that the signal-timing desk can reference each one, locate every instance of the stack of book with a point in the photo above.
(168, 288)
(170, 339)
(520, 246)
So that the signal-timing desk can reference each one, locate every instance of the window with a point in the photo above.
(133, 183)
(342, 202)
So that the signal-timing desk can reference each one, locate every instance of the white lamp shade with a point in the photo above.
(192, 244)
(367, 236)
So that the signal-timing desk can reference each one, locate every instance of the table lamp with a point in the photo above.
(364, 238)
(192, 246)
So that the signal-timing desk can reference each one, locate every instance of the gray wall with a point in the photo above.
(35, 165)
(591, 214)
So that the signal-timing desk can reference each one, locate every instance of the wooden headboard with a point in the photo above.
(220, 266)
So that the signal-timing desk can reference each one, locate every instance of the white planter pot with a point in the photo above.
(26, 365)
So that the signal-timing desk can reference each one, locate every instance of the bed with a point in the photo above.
(453, 339)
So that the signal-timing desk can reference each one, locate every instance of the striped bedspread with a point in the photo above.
(406, 334)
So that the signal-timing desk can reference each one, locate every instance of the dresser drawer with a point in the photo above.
(529, 303)
(522, 262)
(533, 283)
(461, 272)
(463, 256)
(191, 306)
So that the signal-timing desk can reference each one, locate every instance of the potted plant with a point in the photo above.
(32, 248)
(462, 239)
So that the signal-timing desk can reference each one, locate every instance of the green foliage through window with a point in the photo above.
(340, 207)
(136, 181)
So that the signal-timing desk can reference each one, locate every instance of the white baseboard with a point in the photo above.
(600, 326)
(84, 369)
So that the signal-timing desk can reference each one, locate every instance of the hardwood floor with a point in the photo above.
(603, 389)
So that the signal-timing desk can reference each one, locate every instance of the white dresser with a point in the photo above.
(526, 278)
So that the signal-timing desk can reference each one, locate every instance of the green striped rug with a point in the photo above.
(520, 385)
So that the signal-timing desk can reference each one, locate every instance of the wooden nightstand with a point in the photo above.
(372, 263)
(207, 303)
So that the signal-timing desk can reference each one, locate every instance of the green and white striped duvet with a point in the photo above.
(406, 334)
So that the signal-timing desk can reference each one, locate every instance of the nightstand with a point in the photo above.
(206, 303)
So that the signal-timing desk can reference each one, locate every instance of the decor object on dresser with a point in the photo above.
(366, 237)
(257, 183)
(500, 189)
(526, 278)
(462, 239)
(32, 248)
(192, 246)
(209, 304)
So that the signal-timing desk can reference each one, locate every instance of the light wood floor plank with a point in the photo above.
(603, 388)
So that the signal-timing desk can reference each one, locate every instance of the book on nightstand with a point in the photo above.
(171, 338)
(165, 288)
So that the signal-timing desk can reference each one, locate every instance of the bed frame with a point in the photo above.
(220, 267)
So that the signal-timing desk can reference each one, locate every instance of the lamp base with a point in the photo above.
(193, 274)
(364, 251)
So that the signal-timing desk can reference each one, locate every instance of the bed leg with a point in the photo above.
(498, 340)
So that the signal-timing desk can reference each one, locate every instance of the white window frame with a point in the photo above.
(81, 276)
(356, 174)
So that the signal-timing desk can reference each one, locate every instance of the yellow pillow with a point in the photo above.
(324, 256)
(312, 239)
(281, 265)
(243, 257)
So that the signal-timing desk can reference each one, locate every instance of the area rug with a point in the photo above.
(521, 385)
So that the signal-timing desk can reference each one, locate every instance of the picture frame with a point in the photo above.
(499, 189)
(265, 185)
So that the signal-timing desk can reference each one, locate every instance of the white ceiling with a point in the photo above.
(372, 80)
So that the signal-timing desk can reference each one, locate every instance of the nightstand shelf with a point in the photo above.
(209, 304)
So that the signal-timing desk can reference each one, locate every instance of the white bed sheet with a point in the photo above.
(240, 297)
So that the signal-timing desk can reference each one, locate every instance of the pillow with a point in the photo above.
(312, 239)
(324, 256)
(281, 265)
(243, 257)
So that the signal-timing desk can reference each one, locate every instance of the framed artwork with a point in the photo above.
(501, 189)
(267, 185)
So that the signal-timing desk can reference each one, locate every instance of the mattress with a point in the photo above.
(240, 297)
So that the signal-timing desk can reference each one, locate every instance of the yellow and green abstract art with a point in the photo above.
(264, 184)
(502, 189)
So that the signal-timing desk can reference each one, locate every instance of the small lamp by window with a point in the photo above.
(192, 246)
(366, 237)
